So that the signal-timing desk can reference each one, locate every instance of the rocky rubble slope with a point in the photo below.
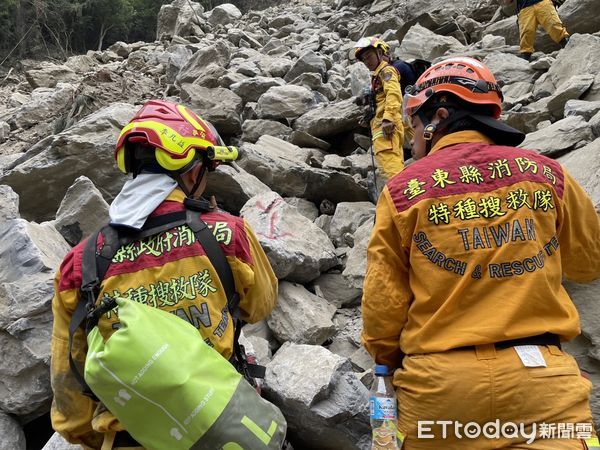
(279, 84)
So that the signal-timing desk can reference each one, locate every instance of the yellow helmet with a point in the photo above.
(370, 42)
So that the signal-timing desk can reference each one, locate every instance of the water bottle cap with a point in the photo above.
(381, 370)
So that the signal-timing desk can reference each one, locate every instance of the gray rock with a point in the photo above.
(44, 105)
(348, 217)
(571, 89)
(303, 139)
(251, 89)
(559, 137)
(81, 63)
(180, 18)
(121, 49)
(360, 78)
(330, 120)
(509, 68)
(29, 255)
(297, 249)
(330, 401)
(584, 165)
(12, 434)
(219, 106)
(491, 41)
(381, 23)
(356, 265)
(527, 118)
(518, 92)
(324, 222)
(232, 189)
(584, 296)
(422, 43)
(282, 166)
(224, 14)
(82, 211)
(300, 316)
(307, 208)
(9, 204)
(580, 56)
(335, 289)
(507, 28)
(86, 148)
(285, 102)
(217, 55)
(57, 442)
(576, 17)
(582, 108)
(595, 124)
(48, 75)
(308, 62)
(252, 130)
(4, 131)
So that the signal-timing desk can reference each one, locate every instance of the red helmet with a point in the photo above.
(467, 78)
(170, 135)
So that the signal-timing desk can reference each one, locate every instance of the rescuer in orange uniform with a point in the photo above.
(464, 273)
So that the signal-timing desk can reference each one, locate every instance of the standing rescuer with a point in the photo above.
(387, 131)
(170, 150)
(532, 13)
(463, 293)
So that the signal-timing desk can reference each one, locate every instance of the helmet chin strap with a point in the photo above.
(431, 128)
(190, 192)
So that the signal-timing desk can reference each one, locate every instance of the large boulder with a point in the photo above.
(12, 434)
(508, 68)
(57, 442)
(559, 137)
(224, 14)
(29, 255)
(233, 187)
(285, 102)
(300, 316)
(216, 56)
(180, 18)
(81, 212)
(9, 203)
(253, 129)
(319, 392)
(584, 165)
(330, 120)
(219, 106)
(45, 104)
(48, 75)
(422, 43)
(308, 62)
(297, 249)
(348, 217)
(251, 89)
(283, 167)
(571, 89)
(86, 148)
(356, 265)
(335, 289)
(580, 56)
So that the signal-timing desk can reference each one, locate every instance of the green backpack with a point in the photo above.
(168, 387)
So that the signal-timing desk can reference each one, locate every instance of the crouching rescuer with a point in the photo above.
(463, 293)
(170, 250)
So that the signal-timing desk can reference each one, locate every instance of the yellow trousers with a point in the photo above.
(544, 14)
(485, 385)
(388, 152)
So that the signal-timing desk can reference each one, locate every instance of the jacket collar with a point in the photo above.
(460, 137)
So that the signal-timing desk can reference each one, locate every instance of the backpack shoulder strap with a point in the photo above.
(214, 252)
(217, 258)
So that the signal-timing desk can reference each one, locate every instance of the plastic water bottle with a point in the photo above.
(384, 414)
